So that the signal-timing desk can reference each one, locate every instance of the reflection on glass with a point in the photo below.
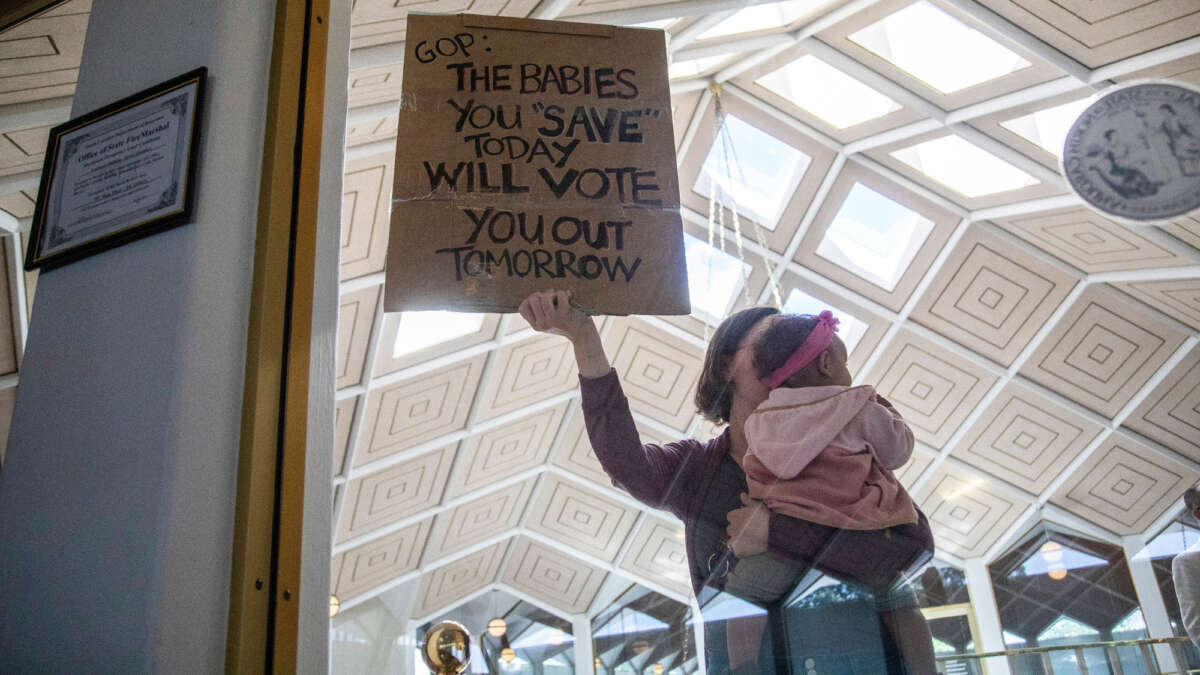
(1048, 128)
(1054, 560)
(1178, 536)
(827, 92)
(418, 330)
(714, 279)
(930, 44)
(1057, 588)
(964, 167)
(850, 330)
(758, 171)
(763, 17)
(874, 237)
(642, 632)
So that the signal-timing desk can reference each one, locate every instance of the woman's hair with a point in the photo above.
(713, 396)
(781, 339)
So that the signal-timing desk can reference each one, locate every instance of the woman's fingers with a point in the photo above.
(546, 310)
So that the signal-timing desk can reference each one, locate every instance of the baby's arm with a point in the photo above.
(884, 429)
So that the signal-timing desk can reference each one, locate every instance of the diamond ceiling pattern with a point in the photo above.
(1047, 358)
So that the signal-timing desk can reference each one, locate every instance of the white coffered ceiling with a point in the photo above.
(1047, 358)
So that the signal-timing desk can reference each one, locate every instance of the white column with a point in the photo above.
(581, 627)
(1154, 610)
(118, 490)
(987, 614)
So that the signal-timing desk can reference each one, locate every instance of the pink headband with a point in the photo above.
(814, 344)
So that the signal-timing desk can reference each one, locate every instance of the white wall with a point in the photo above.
(117, 495)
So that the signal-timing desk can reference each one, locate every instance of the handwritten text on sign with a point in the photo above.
(543, 169)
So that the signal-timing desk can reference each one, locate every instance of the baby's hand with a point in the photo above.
(747, 529)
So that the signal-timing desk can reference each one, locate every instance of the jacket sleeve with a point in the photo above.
(885, 431)
(644, 471)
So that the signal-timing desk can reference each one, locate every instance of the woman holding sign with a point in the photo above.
(736, 547)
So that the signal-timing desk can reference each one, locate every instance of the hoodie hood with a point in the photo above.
(793, 426)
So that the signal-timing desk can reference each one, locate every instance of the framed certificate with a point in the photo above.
(119, 173)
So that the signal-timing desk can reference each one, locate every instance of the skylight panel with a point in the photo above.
(660, 24)
(1052, 558)
(874, 237)
(419, 330)
(964, 167)
(850, 329)
(629, 621)
(692, 67)
(714, 279)
(763, 17)
(937, 48)
(760, 172)
(541, 637)
(827, 92)
(1048, 128)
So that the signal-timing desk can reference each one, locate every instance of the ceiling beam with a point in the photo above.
(18, 12)
(31, 114)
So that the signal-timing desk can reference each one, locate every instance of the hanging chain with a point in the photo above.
(729, 158)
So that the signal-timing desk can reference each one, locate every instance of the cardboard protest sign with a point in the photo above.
(533, 155)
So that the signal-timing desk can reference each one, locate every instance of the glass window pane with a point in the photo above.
(756, 170)
(763, 17)
(1059, 589)
(827, 92)
(874, 237)
(1048, 128)
(692, 67)
(714, 279)
(850, 328)
(641, 629)
(418, 330)
(964, 167)
(930, 44)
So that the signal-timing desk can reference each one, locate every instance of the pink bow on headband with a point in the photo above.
(816, 342)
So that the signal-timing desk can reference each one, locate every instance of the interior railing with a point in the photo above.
(1123, 657)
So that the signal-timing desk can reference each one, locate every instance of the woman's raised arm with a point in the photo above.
(646, 472)
(551, 312)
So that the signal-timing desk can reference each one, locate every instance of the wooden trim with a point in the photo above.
(264, 586)
(21, 11)
(299, 347)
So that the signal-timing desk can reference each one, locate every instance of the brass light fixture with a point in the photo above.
(496, 627)
(507, 654)
(446, 648)
(335, 605)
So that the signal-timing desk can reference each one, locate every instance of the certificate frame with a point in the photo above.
(119, 173)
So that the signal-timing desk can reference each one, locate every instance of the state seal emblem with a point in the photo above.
(1134, 154)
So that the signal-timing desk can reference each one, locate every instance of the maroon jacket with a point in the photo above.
(675, 477)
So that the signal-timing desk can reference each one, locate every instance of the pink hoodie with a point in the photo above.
(825, 454)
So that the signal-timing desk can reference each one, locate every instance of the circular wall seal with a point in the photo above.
(1134, 154)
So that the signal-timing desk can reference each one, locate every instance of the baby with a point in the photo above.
(820, 449)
